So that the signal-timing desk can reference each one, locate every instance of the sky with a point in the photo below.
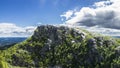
(20, 17)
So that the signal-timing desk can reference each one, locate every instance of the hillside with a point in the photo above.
(63, 47)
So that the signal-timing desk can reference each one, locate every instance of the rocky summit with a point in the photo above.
(63, 47)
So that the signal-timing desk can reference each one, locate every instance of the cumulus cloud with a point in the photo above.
(97, 29)
(67, 14)
(12, 30)
(104, 31)
(102, 3)
(105, 14)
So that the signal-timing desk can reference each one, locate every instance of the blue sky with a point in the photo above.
(31, 12)
(20, 17)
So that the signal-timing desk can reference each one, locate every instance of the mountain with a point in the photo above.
(63, 47)
(6, 42)
(11, 40)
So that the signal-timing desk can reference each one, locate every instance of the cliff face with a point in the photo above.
(61, 46)
(57, 35)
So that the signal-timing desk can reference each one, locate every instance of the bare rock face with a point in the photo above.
(91, 42)
(99, 41)
(55, 35)
(117, 50)
(64, 47)
(108, 43)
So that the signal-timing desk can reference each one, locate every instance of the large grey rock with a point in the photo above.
(58, 34)
(117, 50)
(108, 43)
(91, 42)
(99, 41)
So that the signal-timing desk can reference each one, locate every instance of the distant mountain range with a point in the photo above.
(10, 40)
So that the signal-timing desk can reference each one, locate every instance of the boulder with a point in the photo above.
(117, 51)
(99, 41)
(91, 43)
(108, 43)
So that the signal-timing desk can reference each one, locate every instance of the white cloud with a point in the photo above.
(102, 3)
(39, 23)
(103, 17)
(97, 29)
(12, 30)
(104, 14)
(104, 31)
(67, 14)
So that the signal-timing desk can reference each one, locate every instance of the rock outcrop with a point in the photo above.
(64, 47)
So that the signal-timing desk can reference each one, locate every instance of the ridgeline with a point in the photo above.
(62, 47)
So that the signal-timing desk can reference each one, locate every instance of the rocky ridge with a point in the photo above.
(64, 47)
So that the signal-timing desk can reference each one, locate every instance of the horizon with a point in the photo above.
(19, 18)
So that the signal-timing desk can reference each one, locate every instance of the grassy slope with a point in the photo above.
(67, 54)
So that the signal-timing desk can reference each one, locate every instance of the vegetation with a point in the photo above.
(64, 47)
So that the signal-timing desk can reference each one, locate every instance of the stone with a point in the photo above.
(117, 51)
(99, 41)
(99, 38)
(108, 43)
(91, 42)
